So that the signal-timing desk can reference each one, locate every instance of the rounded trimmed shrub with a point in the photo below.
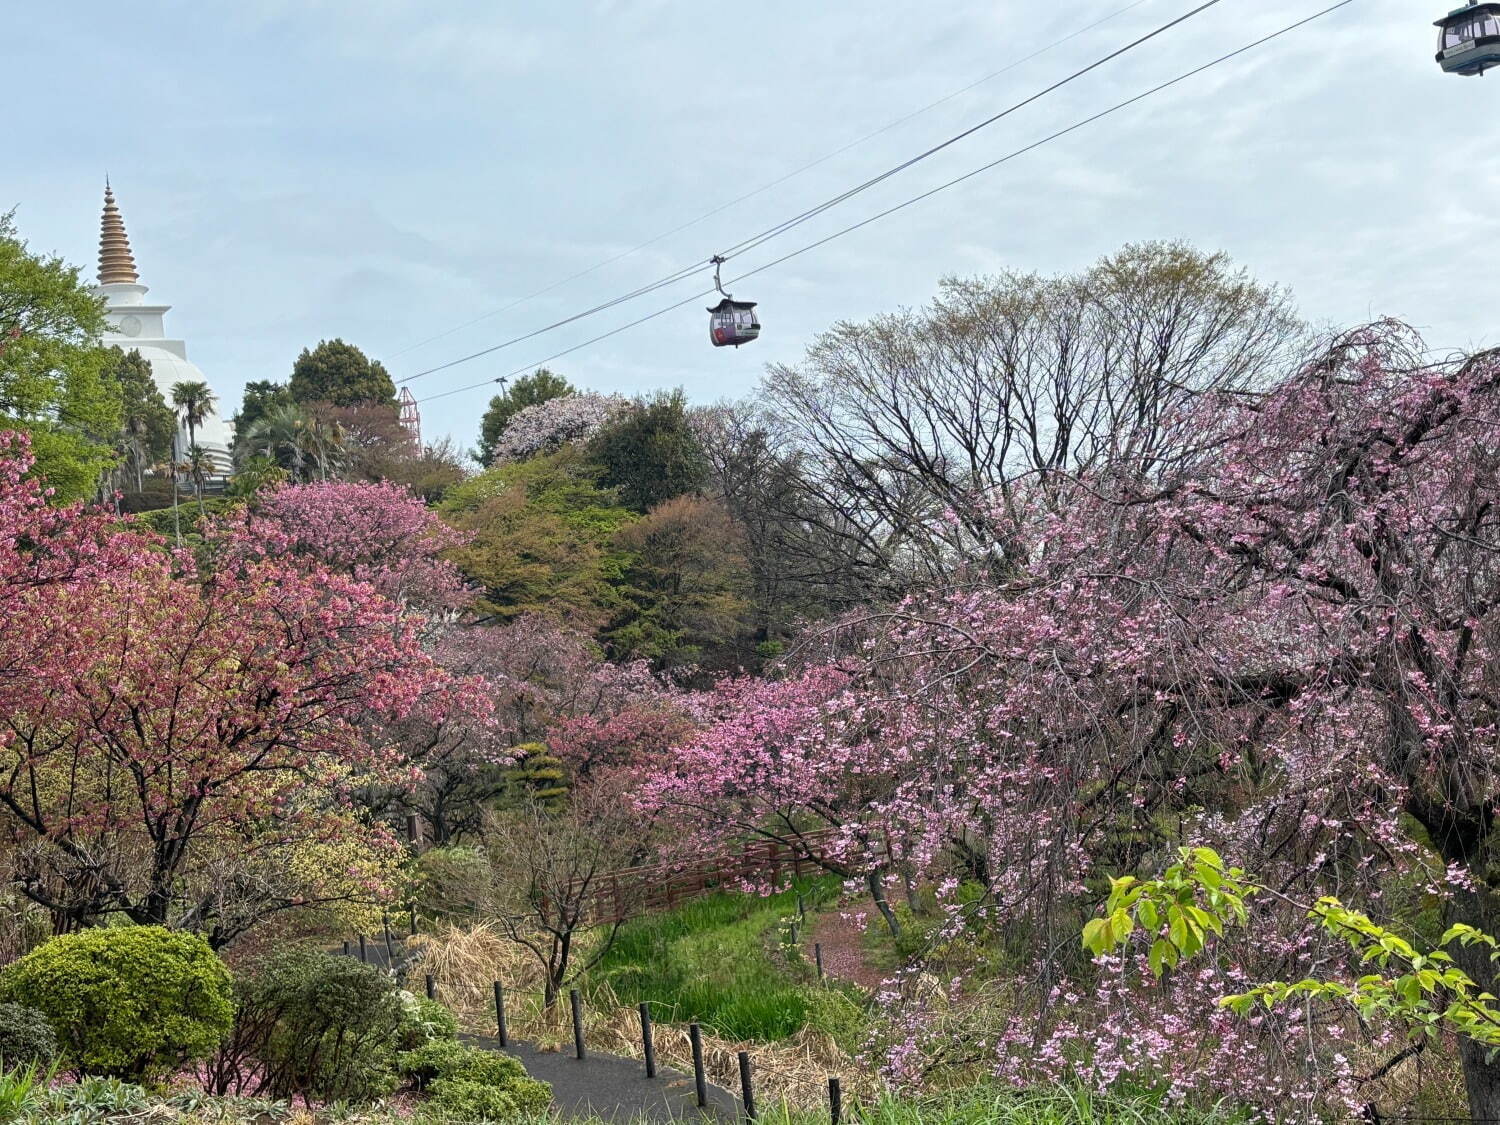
(474, 1084)
(469, 1100)
(25, 1037)
(136, 1003)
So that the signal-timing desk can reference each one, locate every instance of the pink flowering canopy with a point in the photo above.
(155, 723)
(375, 533)
(1282, 644)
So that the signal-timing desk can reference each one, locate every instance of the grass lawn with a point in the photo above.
(719, 961)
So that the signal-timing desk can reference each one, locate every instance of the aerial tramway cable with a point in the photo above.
(798, 219)
(916, 198)
(795, 172)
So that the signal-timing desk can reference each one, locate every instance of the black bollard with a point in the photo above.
(346, 947)
(818, 957)
(696, 1036)
(500, 1014)
(835, 1101)
(431, 987)
(648, 1045)
(362, 955)
(577, 1006)
(747, 1090)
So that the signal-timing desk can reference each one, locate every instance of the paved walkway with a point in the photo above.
(617, 1089)
(606, 1086)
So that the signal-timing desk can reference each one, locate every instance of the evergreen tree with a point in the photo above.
(148, 423)
(652, 453)
(340, 374)
(52, 381)
(538, 776)
(261, 397)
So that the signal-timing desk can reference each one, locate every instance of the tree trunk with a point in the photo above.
(877, 892)
(1481, 1076)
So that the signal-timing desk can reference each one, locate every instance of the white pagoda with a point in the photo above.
(135, 325)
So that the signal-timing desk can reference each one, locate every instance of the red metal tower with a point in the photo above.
(411, 417)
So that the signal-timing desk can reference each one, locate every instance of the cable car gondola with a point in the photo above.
(1469, 39)
(730, 321)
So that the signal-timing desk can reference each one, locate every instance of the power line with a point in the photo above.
(919, 198)
(776, 182)
(797, 220)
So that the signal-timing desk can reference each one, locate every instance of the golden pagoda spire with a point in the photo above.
(116, 264)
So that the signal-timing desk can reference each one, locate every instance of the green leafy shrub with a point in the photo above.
(468, 1100)
(26, 1036)
(320, 1026)
(473, 1084)
(133, 1003)
(423, 1021)
(452, 882)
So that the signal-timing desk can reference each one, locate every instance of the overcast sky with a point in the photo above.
(386, 170)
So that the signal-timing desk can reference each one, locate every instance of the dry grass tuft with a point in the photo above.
(466, 961)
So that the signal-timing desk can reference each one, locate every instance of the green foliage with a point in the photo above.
(322, 1026)
(188, 517)
(52, 368)
(685, 585)
(23, 1087)
(1196, 898)
(92, 1099)
(1191, 900)
(147, 422)
(542, 538)
(468, 1100)
(538, 775)
(451, 881)
(651, 454)
(714, 960)
(136, 1002)
(471, 1083)
(423, 1022)
(195, 402)
(340, 374)
(260, 398)
(256, 474)
(529, 390)
(26, 1036)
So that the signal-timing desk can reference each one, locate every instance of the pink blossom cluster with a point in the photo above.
(375, 533)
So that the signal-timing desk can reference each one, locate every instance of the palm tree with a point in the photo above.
(284, 434)
(199, 464)
(194, 401)
(327, 443)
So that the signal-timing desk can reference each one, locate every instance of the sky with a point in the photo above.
(390, 171)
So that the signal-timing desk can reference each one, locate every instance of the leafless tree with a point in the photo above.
(548, 866)
(904, 419)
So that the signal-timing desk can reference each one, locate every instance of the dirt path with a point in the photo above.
(843, 950)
